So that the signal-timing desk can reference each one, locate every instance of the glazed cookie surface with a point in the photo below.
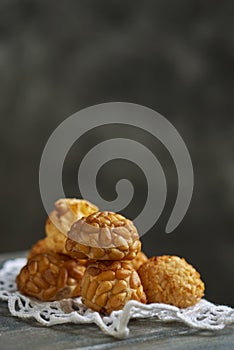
(108, 285)
(67, 211)
(140, 259)
(50, 277)
(103, 236)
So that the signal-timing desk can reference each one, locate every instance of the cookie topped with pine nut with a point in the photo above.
(50, 277)
(66, 212)
(108, 285)
(103, 236)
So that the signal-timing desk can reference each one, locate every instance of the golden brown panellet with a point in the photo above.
(171, 280)
(51, 276)
(103, 236)
(108, 285)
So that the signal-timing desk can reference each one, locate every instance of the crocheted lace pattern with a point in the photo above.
(204, 315)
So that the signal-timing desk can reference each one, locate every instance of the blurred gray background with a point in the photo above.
(177, 57)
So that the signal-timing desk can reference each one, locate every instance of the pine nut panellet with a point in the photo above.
(67, 211)
(103, 236)
(50, 277)
(109, 285)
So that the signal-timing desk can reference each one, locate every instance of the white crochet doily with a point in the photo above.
(204, 315)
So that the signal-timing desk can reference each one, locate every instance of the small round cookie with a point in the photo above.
(140, 259)
(109, 285)
(103, 236)
(67, 211)
(171, 280)
(50, 277)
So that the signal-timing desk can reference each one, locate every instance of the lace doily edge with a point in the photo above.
(204, 315)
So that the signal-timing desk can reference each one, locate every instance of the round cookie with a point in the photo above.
(103, 236)
(108, 285)
(67, 211)
(50, 277)
(171, 280)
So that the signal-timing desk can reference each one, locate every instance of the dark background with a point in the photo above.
(57, 57)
